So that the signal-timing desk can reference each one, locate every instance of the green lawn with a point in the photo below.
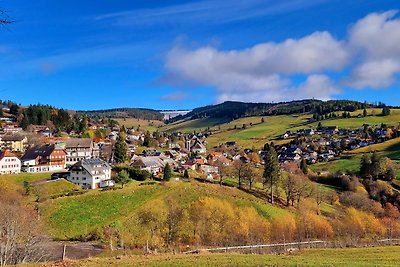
(355, 257)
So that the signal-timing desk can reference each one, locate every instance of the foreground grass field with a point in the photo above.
(75, 216)
(355, 257)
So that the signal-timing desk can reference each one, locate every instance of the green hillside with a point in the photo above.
(257, 133)
(75, 216)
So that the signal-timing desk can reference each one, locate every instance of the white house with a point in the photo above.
(91, 174)
(9, 163)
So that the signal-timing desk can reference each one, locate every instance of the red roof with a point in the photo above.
(6, 154)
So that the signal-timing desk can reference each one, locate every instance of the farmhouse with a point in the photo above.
(91, 174)
(9, 163)
(43, 158)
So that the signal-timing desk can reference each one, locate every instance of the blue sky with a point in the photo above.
(183, 54)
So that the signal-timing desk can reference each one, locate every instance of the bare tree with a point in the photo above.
(250, 175)
(20, 238)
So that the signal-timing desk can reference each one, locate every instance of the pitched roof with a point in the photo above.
(12, 137)
(6, 154)
(78, 142)
(91, 165)
(39, 150)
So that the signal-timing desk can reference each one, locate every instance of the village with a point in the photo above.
(88, 161)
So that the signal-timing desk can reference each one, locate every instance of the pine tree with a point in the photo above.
(365, 113)
(120, 151)
(304, 166)
(271, 171)
(186, 174)
(167, 172)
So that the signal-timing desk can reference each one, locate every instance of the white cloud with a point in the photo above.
(265, 71)
(256, 73)
(376, 39)
(374, 74)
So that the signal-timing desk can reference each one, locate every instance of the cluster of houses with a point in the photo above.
(325, 143)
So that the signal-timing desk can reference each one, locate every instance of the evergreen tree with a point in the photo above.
(167, 172)
(147, 139)
(122, 178)
(120, 151)
(304, 166)
(385, 111)
(271, 171)
(186, 174)
(365, 113)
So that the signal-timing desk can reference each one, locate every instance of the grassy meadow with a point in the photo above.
(355, 257)
(75, 216)
(145, 125)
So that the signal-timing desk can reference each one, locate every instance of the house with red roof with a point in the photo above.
(9, 163)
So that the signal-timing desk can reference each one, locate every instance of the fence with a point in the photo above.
(265, 248)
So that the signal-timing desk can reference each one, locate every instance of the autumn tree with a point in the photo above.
(250, 175)
(239, 170)
(173, 219)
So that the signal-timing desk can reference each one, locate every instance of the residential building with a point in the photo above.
(9, 163)
(194, 145)
(14, 142)
(78, 149)
(44, 158)
(91, 174)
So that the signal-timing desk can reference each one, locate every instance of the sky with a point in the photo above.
(176, 54)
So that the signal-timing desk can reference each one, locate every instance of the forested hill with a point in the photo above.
(235, 110)
(138, 113)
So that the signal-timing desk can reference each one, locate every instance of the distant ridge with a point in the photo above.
(233, 109)
(137, 113)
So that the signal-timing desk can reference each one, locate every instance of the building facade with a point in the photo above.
(9, 163)
(91, 174)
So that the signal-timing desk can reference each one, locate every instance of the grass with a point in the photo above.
(351, 123)
(54, 189)
(75, 216)
(145, 125)
(29, 177)
(347, 165)
(355, 257)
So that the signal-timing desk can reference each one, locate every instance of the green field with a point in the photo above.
(355, 257)
(28, 177)
(54, 189)
(75, 216)
(145, 125)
